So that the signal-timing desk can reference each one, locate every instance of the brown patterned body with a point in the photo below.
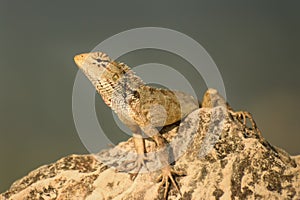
(160, 107)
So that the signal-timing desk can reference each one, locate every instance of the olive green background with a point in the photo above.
(255, 45)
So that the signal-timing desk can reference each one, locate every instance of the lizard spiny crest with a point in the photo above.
(111, 79)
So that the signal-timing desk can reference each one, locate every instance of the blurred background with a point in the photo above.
(255, 45)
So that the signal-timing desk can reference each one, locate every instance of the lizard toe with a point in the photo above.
(136, 165)
(166, 175)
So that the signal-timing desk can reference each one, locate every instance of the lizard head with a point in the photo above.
(92, 64)
(104, 73)
(97, 66)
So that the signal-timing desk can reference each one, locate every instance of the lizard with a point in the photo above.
(139, 106)
(143, 108)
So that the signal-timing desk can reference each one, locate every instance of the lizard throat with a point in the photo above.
(120, 91)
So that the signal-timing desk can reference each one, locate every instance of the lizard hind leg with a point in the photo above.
(242, 117)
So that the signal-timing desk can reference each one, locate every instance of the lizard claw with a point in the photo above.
(138, 163)
(242, 116)
(167, 173)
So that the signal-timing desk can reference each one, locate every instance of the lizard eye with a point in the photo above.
(115, 77)
(99, 60)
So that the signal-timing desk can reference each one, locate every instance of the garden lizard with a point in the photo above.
(139, 106)
(143, 108)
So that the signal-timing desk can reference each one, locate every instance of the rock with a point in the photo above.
(221, 158)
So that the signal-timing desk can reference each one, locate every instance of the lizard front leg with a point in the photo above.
(139, 162)
(163, 156)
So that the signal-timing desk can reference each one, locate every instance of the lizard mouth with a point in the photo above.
(79, 59)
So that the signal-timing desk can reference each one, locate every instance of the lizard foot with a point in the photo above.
(167, 173)
(138, 163)
(242, 117)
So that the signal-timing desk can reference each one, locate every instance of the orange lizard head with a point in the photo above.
(106, 75)
(97, 66)
(92, 64)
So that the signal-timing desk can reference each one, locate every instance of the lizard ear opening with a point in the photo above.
(115, 77)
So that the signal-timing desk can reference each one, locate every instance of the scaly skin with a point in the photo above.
(139, 107)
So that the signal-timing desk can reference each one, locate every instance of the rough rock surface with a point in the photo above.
(221, 158)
